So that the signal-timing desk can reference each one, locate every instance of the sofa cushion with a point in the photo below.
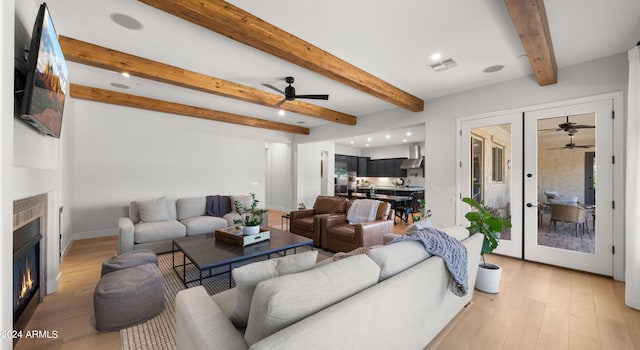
(383, 211)
(243, 199)
(197, 225)
(304, 223)
(458, 232)
(345, 233)
(247, 278)
(397, 257)
(282, 301)
(190, 207)
(232, 217)
(146, 232)
(330, 205)
(416, 225)
(153, 210)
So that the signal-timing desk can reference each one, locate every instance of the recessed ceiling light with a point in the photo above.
(125, 74)
(409, 133)
(404, 140)
(387, 136)
(119, 86)
(493, 69)
(367, 145)
(125, 21)
(352, 142)
(369, 139)
(436, 56)
(281, 112)
(300, 122)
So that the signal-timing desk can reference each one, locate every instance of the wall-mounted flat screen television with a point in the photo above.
(47, 82)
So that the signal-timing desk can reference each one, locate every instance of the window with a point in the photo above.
(497, 163)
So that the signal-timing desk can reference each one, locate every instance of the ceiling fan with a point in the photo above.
(572, 145)
(571, 128)
(290, 92)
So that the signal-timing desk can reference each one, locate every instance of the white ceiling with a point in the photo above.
(391, 40)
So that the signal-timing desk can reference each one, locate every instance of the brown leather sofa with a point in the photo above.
(339, 236)
(308, 222)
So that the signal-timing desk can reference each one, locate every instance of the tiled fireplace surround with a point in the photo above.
(25, 211)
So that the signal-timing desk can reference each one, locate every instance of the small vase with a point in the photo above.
(251, 230)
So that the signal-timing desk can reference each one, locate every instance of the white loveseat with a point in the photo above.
(399, 300)
(154, 224)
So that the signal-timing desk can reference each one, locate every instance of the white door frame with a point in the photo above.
(618, 169)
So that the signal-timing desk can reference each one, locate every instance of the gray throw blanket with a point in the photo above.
(218, 205)
(449, 249)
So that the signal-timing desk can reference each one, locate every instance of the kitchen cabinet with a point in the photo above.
(386, 168)
(363, 164)
(349, 162)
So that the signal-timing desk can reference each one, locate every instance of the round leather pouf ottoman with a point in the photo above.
(126, 297)
(129, 259)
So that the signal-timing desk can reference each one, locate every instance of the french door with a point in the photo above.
(550, 172)
(491, 164)
(568, 186)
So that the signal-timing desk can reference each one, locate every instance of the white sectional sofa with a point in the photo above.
(393, 297)
(154, 224)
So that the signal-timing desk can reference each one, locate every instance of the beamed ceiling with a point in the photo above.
(224, 51)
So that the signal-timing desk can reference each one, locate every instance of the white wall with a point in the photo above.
(280, 177)
(123, 154)
(6, 165)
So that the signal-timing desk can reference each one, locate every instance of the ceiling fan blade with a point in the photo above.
(584, 126)
(314, 97)
(273, 88)
(281, 102)
(583, 146)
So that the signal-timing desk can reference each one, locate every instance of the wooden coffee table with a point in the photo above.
(205, 253)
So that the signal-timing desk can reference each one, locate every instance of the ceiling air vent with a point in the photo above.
(444, 64)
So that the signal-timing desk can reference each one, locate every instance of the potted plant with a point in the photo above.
(251, 217)
(483, 221)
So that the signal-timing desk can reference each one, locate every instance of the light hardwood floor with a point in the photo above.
(538, 307)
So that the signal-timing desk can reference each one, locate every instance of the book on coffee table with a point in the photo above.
(233, 235)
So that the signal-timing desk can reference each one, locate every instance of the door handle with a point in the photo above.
(529, 205)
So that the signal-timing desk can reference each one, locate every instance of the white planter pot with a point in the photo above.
(251, 230)
(488, 279)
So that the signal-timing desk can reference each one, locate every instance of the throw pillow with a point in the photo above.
(285, 300)
(153, 210)
(247, 278)
(243, 199)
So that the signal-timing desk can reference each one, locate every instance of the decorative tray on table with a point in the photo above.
(233, 235)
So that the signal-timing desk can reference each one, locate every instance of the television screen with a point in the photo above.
(47, 81)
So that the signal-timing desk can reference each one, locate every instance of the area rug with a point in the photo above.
(159, 333)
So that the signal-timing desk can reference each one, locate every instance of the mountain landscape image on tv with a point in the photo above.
(45, 103)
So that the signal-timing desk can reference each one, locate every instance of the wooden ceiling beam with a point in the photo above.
(237, 24)
(101, 57)
(530, 20)
(128, 100)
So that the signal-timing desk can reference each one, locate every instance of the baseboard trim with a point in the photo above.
(94, 234)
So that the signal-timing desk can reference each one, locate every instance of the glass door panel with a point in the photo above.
(491, 167)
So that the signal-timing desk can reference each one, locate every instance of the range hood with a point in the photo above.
(414, 161)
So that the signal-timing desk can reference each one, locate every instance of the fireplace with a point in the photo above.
(26, 272)
(29, 258)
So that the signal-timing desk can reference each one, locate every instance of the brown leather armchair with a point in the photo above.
(308, 222)
(340, 236)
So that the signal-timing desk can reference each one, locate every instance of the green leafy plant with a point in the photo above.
(251, 216)
(482, 220)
